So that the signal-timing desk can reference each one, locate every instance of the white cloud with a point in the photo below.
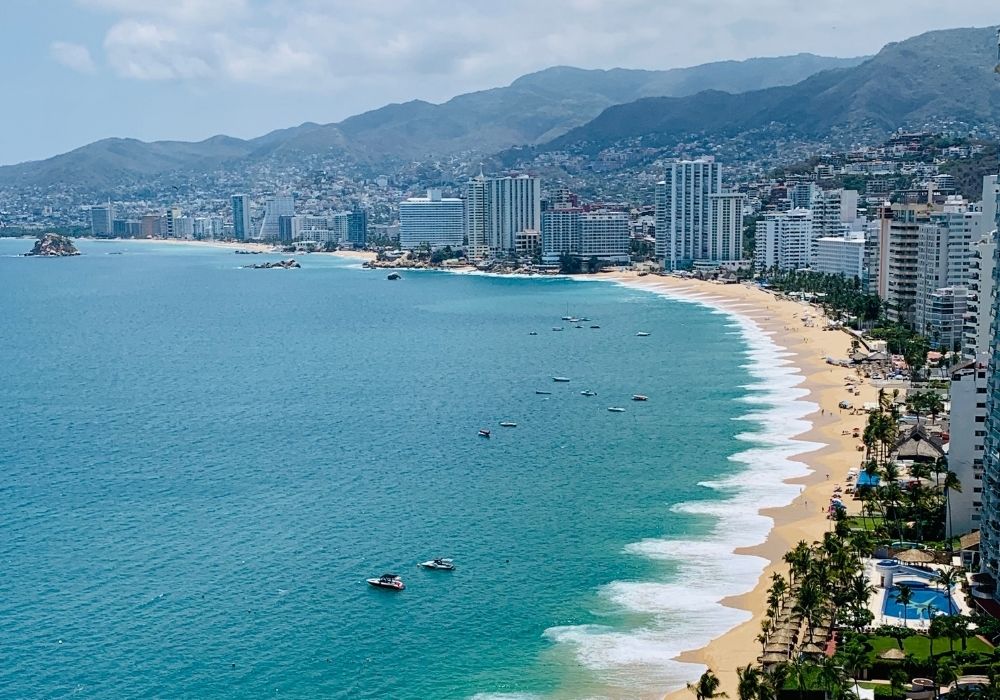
(436, 48)
(74, 56)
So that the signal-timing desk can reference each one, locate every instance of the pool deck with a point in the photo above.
(877, 600)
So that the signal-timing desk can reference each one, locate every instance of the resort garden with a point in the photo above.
(877, 607)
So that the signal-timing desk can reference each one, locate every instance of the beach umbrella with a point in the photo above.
(774, 658)
(892, 654)
(915, 556)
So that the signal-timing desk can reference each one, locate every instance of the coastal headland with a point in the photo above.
(805, 518)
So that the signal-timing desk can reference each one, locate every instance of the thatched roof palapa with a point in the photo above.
(813, 649)
(892, 654)
(915, 556)
(919, 446)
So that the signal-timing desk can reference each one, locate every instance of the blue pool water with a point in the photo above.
(923, 600)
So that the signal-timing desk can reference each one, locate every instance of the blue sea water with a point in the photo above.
(202, 465)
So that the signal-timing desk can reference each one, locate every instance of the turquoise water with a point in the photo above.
(202, 464)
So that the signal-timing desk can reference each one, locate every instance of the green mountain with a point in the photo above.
(936, 78)
(533, 109)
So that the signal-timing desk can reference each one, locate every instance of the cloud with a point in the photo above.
(438, 47)
(74, 56)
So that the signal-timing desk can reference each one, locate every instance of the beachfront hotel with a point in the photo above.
(433, 220)
(497, 210)
(695, 217)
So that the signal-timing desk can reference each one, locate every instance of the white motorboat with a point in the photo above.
(642, 334)
(639, 397)
(588, 392)
(616, 409)
(441, 564)
(560, 379)
(390, 581)
(508, 424)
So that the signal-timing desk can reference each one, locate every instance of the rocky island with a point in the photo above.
(280, 264)
(52, 245)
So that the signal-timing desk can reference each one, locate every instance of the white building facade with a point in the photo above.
(434, 221)
(784, 240)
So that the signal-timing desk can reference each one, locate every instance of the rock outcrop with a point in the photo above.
(52, 245)
(280, 264)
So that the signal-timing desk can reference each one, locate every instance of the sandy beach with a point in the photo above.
(805, 518)
(248, 245)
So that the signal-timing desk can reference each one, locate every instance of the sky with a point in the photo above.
(75, 71)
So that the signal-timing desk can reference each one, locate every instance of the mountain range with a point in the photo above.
(533, 109)
(936, 79)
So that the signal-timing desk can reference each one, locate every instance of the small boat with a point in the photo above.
(557, 328)
(441, 564)
(566, 318)
(616, 409)
(585, 319)
(483, 432)
(642, 334)
(588, 392)
(595, 326)
(578, 326)
(545, 393)
(639, 397)
(560, 379)
(390, 581)
(508, 424)
(533, 333)
(572, 319)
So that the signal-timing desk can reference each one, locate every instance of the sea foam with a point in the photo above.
(686, 612)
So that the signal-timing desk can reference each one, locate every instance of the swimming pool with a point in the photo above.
(922, 597)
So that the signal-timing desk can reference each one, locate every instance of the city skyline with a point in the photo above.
(193, 69)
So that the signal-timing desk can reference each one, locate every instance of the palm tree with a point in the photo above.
(831, 677)
(854, 658)
(904, 596)
(707, 687)
(897, 679)
(749, 682)
(946, 579)
(951, 483)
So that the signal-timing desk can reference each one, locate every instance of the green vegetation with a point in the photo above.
(840, 295)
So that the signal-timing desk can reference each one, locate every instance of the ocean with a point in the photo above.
(202, 465)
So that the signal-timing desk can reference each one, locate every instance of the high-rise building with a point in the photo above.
(357, 231)
(683, 211)
(172, 222)
(944, 252)
(497, 208)
(943, 316)
(340, 224)
(784, 240)
(152, 226)
(976, 338)
(101, 221)
(122, 228)
(241, 217)
(560, 232)
(801, 194)
(604, 235)
(688, 213)
(967, 393)
(990, 521)
(840, 255)
(280, 205)
(433, 220)
(901, 261)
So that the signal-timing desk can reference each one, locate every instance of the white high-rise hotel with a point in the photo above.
(497, 209)
(695, 219)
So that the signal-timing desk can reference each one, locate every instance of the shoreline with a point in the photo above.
(822, 449)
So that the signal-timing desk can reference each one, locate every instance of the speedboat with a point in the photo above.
(442, 564)
(508, 424)
(560, 379)
(578, 326)
(642, 334)
(483, 432)
(557, 328)
(588, 392)
(533, 333)
(616, 409)
(585, 319)
(390, 581)
(639, 397)
(595, 326)
(544, 393)
(566, 318)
